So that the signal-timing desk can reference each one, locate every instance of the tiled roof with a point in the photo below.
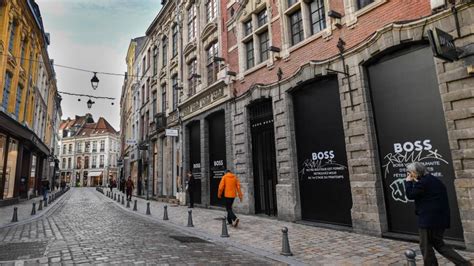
(86, 125)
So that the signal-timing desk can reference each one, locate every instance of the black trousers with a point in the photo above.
(129, 194)
(433, 238)
(230, 213)
(191, 198)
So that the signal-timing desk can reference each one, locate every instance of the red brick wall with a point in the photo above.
(320, 49)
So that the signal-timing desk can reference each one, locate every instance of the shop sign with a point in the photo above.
(131, 141)
(171, 132)
(442, 44)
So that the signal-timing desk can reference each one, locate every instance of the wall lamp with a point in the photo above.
(337, 18)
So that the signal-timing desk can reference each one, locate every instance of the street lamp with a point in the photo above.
(90, 103)
(95, 81)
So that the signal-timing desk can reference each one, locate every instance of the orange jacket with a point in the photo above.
(230, 185)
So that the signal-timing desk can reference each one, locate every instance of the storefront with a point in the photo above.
(194, 134)
(325, 192)
(21, 160)
(410, 126)
(217, 154)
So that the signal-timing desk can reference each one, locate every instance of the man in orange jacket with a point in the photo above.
(230, 185)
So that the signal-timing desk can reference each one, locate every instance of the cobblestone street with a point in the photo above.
(85, 228)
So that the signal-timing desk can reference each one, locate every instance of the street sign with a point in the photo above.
(171, 132)
(131, 142)
(442, 44)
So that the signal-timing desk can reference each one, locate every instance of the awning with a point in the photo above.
(92, 174)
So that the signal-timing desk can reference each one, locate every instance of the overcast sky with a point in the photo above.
(94, 35)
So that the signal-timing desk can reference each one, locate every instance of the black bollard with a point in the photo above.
(45, 202)
(224, 228)
(33, 209)
(190, 218)
(115, 196)
(40, 207)
(410, 254)
(128, 204)
(15, 215)
(148, 212)
(285, 250)
(123, 200)
(165, 213)
(49, 199)
(135, 206)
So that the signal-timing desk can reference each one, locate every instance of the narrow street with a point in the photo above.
(86, 228)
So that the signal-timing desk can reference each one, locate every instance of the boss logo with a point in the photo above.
(408, 146)
(197, 165)
(219, 163)
(322, 155)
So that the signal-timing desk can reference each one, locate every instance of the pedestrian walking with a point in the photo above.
(112, 184)
(230, 187)
(63, 185)
(129, 186)
(432, 209)
(190, 188)
(45, 187)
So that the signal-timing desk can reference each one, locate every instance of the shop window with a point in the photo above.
(10, 171)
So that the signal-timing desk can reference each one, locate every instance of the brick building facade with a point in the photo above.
(318, 105)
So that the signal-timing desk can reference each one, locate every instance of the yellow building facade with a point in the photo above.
(25, 147)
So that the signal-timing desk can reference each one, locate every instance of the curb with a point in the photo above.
(50, 209)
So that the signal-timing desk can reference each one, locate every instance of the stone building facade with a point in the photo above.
(317, 106)
(89, 152)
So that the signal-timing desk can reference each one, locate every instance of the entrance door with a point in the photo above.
(217, 158)
(264, 158)
(325, 190)
(410, 127)
(195, 157)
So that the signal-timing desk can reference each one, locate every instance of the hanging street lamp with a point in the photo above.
(95, 81)
(90, 103)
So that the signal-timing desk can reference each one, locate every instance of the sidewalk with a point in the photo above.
(310, 245)
(24, 211)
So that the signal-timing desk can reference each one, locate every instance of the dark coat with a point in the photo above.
(191, 183)
(431, 202)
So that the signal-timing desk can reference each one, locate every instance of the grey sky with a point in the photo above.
(94, 35)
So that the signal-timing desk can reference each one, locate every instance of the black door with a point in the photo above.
(264, 158)
(410, 127)
(217, 159)
(195, 157)
(325, 190)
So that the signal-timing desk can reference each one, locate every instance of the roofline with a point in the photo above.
(158, 16)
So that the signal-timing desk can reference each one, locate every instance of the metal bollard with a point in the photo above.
(135, 206)
(128, 204)
(45, 202)
(410, 254)
(224, 228)
(190, 218)
(123, 200)
(118, 198)
(285, 250)
(15, 215)
(40, 207)
(33, 210)
(148, 212)
(49, 199)
(115, 196)
(165, 213)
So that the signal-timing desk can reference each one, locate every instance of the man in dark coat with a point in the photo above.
(432, 209)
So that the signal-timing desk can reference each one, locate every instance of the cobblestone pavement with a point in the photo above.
(310, 245)
(85, 227)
